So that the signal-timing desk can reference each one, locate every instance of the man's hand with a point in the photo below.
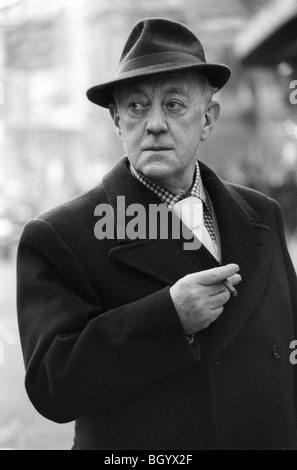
(199, 298)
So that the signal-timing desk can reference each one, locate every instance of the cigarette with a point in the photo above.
(230, 288)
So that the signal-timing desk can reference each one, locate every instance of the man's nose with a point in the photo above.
(156, 120)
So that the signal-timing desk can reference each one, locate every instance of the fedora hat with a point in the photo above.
(158, 46)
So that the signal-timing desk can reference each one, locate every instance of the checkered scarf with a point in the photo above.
(171, 199)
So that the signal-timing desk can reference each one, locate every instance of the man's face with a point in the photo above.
(162, 121)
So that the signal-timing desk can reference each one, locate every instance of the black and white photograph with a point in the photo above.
(148, 227)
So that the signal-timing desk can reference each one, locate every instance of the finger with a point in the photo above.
(216, 313)
(215, 275)
(219, 300)
(216, 289)
(236, 279)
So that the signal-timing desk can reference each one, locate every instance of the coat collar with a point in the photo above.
(244, 240)
(154, 257)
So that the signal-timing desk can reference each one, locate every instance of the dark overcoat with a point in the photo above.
(103, 344)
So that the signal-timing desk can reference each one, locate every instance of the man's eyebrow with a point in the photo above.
(176, 90)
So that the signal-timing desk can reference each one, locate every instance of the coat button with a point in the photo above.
(276, 352)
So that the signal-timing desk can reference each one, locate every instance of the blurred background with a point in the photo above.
(55, 144)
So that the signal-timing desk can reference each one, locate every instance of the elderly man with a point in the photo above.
(144, 340)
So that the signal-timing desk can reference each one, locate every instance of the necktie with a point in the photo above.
(191, 212)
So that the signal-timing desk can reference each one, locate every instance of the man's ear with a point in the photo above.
(212, 114)
(113, 110)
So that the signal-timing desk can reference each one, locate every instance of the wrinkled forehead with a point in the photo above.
(175, 82)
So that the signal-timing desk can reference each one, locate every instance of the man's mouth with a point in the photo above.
(157, 149)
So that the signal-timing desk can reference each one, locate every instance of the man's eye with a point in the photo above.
(136, 106)
(174, 105)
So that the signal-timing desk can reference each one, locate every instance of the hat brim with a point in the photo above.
(102, 95)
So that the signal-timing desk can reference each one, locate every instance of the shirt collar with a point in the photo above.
(168, 198)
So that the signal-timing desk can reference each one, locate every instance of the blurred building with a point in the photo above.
(267, 52)
(44, 114)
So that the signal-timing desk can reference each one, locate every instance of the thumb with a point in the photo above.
(215, 275)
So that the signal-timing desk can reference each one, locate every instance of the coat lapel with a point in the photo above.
(244, 240)
(164, 260)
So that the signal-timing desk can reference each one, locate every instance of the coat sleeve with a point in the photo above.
(292, 278)
(79, 358)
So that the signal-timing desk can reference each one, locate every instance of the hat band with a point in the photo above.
(157, 59)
